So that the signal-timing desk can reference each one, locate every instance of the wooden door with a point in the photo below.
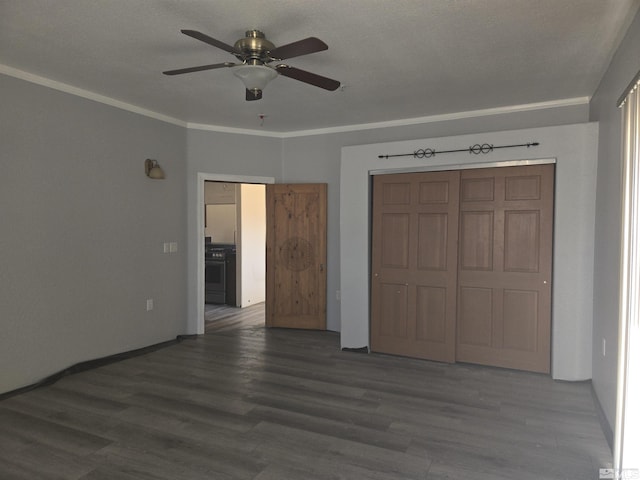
(414, 254)
(504, 277)
(296, 276)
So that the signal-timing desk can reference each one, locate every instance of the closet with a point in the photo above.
(461, 265)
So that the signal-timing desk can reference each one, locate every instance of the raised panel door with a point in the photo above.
(414, 264)
(509, 259)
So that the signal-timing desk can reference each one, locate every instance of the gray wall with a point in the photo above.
(621, 71)
(317, 159)
(83, 231)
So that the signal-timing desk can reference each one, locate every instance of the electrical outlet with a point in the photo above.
(166, 247)
(173, 247)
(149, 304)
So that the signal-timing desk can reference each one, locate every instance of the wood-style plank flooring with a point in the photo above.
(219, 318)
(243, 402)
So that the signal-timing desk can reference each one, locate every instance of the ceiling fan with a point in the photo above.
(256, 54)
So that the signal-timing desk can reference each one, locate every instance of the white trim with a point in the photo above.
(467, 166)
(201, 178)
(239, 131)
(567, 102)
(96, 97)
(574, 147)
(64, 87)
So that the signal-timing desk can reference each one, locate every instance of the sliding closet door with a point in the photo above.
(504, 277)
(414, 255)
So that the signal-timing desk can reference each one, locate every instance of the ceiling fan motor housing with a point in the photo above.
(254, 48)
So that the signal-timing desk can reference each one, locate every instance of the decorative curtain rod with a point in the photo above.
(475, 149)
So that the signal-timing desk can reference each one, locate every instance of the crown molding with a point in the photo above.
(239, 131)
(63, 87)
(566, 102)
(96, 97)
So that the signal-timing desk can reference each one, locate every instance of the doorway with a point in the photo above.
(235, 240)
(200, 237)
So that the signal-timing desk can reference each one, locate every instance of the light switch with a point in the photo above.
(173, 247)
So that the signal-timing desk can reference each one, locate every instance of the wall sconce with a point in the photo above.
(153, 170)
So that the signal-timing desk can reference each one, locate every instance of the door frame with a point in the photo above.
(199, 243)
(439, 168)
(470, 166)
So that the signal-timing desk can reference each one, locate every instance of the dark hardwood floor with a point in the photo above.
(218, 318)
(244, 402)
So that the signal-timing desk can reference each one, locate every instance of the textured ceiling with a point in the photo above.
(396, 59)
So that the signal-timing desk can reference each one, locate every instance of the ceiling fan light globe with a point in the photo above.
(255, 77)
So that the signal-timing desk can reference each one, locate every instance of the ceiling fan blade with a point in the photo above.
(211, 41)
(301, 47)
(308, 77)
(213, 66)
(253, 95)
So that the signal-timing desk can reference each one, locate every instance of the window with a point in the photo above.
(627, 431)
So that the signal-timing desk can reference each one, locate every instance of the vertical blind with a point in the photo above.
(627, 434)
